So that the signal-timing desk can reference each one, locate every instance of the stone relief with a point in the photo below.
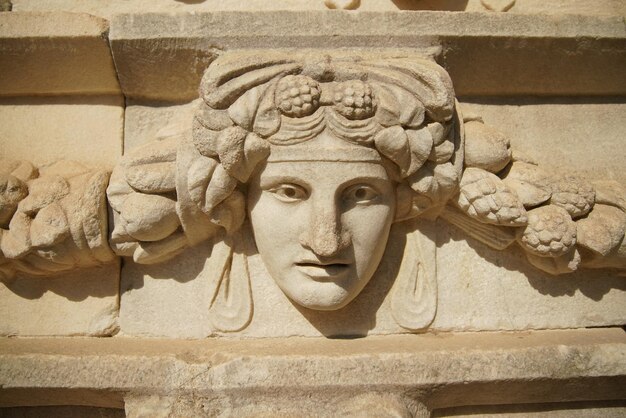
(311, 159)
(52, 220)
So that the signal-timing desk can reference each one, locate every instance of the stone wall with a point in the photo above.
(171, 306)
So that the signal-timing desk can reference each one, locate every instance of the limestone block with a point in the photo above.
(296, 375)
(80, 303)
(43, 130)
(483, 289)
(485, 54)
(168, 300)
(113, 7)
(145, 122)
(39, 51)
(579, 135)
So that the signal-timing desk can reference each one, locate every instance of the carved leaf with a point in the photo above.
(42, 192)
(198, 176)
(149, 217)
(49, 226)
(550, 232)
(442, 152)
(610, 192)
(529, 182)
(602, 230)
(394, 144)
(243, 111)
(220, 187)
(422, 77)
(436, 181)
(231, 212)
(221, 95)
(214, 120)
(440, 132)
(397, 107)
(16, 241)
(94, 213)
(420, 144)
(118, 189)
(23, 170)
(496, 237)
(12, 191)
(563, 264)
(486, 198)
(573, 194)
(152, 168)
(159, 251)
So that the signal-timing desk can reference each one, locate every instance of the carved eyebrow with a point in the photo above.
(370, 180)
(270, 181)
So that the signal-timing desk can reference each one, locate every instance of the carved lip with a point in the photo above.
(319, 270)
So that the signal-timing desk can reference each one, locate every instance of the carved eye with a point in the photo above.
(361, 194)
(289, 192)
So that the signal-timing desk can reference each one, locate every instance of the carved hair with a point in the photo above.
(404, 108)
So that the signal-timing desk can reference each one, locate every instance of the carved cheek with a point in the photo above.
(369, 231)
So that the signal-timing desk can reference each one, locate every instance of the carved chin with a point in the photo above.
(323, 301)
(321, 295)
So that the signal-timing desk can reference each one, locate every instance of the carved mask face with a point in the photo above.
(321, 222)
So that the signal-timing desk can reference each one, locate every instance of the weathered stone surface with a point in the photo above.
(147, 305)
(484, 289)
(582, 136)
(485, 54)
(242, 378)
(485, 147)
(43, 130)
(39, 50)
(80, 303)
(109, 8)
(148, 309)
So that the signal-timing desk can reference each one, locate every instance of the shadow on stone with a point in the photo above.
(592, 283)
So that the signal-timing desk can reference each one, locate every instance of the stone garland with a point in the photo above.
(55, 219)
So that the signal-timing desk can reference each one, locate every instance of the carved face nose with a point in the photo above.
(324, 235)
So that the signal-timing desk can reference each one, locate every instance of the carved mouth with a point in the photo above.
(321, 271)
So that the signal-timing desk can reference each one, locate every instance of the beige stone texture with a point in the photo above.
(582, 136)
(484, 289)
(145, 122)
(314, 377)
(39, 51)
(169, 300)
(43, 130)
(81, 303)
(485, 53)
(109, 8)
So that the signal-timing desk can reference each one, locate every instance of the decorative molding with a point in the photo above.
(195, 181)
